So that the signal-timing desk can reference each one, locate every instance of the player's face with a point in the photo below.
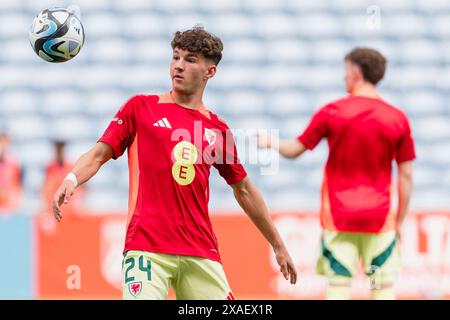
(352, 76)
(190, 71)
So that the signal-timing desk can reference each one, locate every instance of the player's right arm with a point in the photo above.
(308, 140)
(289, 148)
(84, 169)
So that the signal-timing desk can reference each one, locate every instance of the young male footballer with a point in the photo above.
(365, 134)
(172, 142)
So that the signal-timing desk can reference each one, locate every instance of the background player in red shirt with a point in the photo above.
(365, 134)
(55, 172)
(172, 141)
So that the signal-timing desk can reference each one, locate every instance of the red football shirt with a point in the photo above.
(170, 153)
(364, 136)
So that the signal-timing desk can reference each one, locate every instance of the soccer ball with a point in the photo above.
(56, 35)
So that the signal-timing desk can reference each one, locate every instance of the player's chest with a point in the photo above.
(178, 132)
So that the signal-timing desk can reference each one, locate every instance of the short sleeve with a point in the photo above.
(122, 129)
(316, 130)
(405, 148)
(228, 163)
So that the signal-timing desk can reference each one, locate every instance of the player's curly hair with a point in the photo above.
(198, 40)
(371, 62)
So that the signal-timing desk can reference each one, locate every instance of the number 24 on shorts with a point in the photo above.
(131, 262)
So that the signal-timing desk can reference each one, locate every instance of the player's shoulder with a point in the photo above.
(138, 100)
(394, 110)
(333, 105)
(141, 97)
(386, 106)
(218, 121)
(342, 101)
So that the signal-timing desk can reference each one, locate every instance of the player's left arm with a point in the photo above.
(405, 185)
(289, 148)
(251, 201)
(405, 154)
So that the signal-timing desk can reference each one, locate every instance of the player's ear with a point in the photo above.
(211, 72)
(357, 73)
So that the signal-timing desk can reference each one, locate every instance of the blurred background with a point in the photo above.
(282, 60)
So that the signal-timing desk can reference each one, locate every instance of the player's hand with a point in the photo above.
(62, 196)
(399, 232)
(398, 229)
(287, 267)
(264, 140)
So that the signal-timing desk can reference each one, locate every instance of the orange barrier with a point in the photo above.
(80, 258)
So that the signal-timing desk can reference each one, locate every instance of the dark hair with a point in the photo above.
(371, 62)
(198, 40)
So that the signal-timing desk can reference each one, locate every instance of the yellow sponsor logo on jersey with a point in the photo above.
(183, 170)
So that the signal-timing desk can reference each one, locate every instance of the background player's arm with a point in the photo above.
(404, 190)
(289, 148)
(253, 204)
(84, 169)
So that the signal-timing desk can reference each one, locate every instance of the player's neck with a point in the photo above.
(193, 101)
(367, 90)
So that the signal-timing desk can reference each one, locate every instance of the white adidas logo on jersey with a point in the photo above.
(163, 123)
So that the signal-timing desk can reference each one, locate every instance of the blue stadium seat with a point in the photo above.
(282, 60)
(135, 6)
(230, 26)
(174, 6)
(421, 52)
(275, 26)
(423, 103)
(330, 51)
(142, 26)
(406, 25)
(110, 50)
(439, 25)
(305, 6)
(286, 51)
(344, 7)
(397, 6)
(217, 7)
(431, 6)
(262, 6)
(94, 6)
(235, 77)
(33, 154)
(101, 25)
(62, 102)
(288, 103)
(314, 26)
(72, 128)
(431, 129)
(18, 102)
(104, 102)
(245, 51)
(17, 52)
(15, 25)
(293, 126)
(28, 127)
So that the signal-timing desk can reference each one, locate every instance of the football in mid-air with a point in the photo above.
(56, 34)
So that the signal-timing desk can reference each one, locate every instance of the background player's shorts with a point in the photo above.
(147, 275)
(343, 251)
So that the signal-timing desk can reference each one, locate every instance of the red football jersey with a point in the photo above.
(170, 152)
(364, 136)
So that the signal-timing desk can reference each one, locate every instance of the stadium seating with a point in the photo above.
(282, 60)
